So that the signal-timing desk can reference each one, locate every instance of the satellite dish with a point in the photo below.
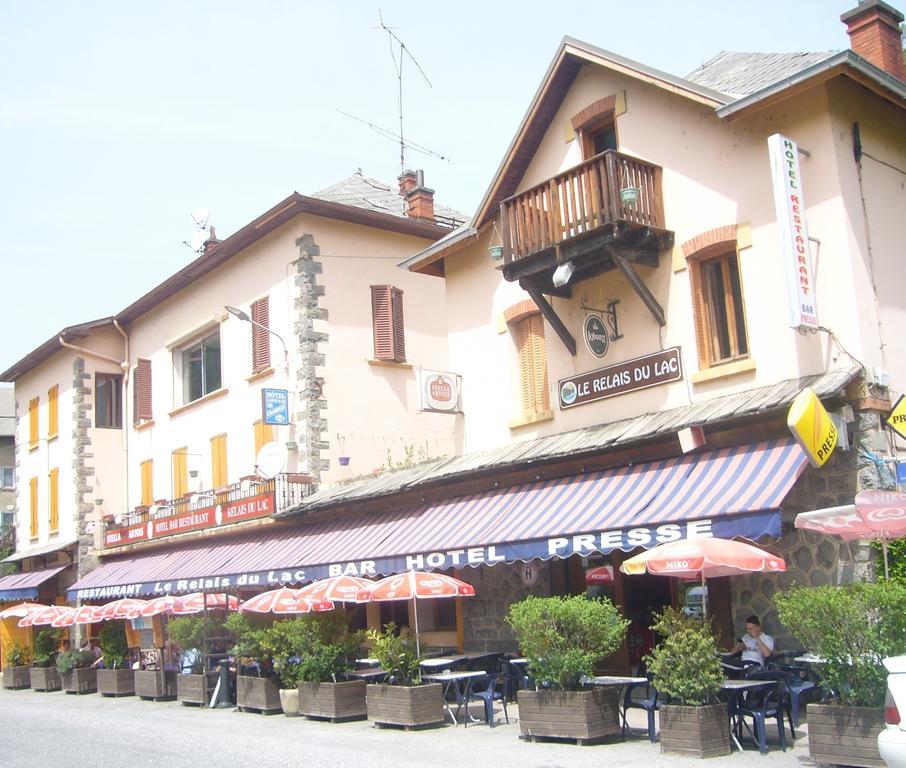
(198, 240)
(271, 459)
(201, 215)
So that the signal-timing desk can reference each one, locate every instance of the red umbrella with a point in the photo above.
(21, 610)
(86, 614)
(415, 585)
(163, 604)
(66, 619)
(875, 515)
(124, 608)
(705, 557)
(45, 616)
(284, 601)
(603, 574)
(340, 589)
(196, 602)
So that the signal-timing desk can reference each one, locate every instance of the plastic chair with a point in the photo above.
(489, 689)
(651, 704)
(801, 682)
(515, 678)
(764, 704)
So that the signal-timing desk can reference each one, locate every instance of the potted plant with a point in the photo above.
(685, 668)
(188, 633)
(76, 673)
(153, 681)
(851, 629)
(563, 638)
(116, 677)
(403, 699)
(325, 658)
(16, 666)
(256, 688)
(43, 674)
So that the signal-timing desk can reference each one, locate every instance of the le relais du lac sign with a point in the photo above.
(628, 376)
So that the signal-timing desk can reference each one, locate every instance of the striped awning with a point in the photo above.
(730, 492)
(24, 585)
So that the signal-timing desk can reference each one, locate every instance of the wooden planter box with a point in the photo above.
(845, 735)
(80, 680)
(45, 679)
(335, 701)
(116, 682)
(17, 677)
(156, 685)
(695, 731)
(191, 689)
(409, 706)
(260, 694)
(585, 716)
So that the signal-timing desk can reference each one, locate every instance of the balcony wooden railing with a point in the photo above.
(579, 202)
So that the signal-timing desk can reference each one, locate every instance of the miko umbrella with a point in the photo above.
(875, 515)
(340, 589)
(66, 619)
(416, 585)
(45, 616)
(21, 610)
(603, 574)
(198, 601)
(163, 604)
(85, 614)
(703, 557)
(124, 608)
(284, 601)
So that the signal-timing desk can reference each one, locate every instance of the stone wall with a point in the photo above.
(82, 468)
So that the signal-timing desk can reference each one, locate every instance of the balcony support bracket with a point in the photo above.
(623, 264)
(550, 315)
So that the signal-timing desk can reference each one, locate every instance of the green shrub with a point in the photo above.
(67, 660)
(563, 637)
(853, 628)
(397, 654)
(684, 665)
(113, 644)
(16, 656)
(46, 642)
(250, 636)
(187, 631)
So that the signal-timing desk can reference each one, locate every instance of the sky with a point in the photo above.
(119, 119)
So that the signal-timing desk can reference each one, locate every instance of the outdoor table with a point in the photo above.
(485, 656)
(809, 658)
(735, 688)
(370, 675)
(616, 681)
(441, 662)
(460, 684)
(368, 662)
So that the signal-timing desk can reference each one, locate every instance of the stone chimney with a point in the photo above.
(420, 199)
(874, 33)
(211, 240)
(407, 182)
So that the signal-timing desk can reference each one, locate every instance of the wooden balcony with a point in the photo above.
(579, 216)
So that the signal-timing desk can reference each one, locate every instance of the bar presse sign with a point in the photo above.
(628, 376)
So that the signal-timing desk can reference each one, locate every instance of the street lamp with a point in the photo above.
(238, 313)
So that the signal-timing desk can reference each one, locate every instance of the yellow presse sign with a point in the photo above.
(812, 427)
(897, 419)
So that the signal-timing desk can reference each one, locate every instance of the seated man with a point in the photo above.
(756, 646)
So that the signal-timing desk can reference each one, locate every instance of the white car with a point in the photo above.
(892, 740)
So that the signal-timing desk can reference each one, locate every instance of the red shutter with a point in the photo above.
(387, 318)
(142, 391)
(261, 339)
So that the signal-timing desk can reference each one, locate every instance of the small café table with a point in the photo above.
(460, 685)
(735, 689)
(441, 662)
(368, 661)
(369, 675)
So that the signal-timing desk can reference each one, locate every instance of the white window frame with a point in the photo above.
(8, 472)
(180, 384)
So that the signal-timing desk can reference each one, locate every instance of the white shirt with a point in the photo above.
(753, 650)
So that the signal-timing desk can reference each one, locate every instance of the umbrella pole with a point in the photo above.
(418, 650)
(704, 596)
(886, 566)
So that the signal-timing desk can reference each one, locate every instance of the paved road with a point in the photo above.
(54, 729)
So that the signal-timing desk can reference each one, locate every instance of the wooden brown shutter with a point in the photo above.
(387, 318)
(700, 316)
(261, 339)
(142, 391)
(532, 365)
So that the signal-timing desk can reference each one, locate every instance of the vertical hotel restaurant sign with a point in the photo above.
(439, 391)
(812, 427)
(275, 406)
(628, 376)
(790, 207)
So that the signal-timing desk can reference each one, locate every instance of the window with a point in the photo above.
(596, 126)
(218, 461)
(532, 351)
(147, 468)
(53, 492)
(599, 138)
(264, 433)
(108, 400)
(33, 423)
(200, 368)
(180, 472)
(141, 392)
(720, 323)
(387, 318)
(261, 338)
(33, 498)
(53, 412)
(7, 477)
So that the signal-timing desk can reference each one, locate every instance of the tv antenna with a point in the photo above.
(201, 235)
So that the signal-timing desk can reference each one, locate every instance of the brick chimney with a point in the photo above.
(874, 33)
(420, 199)
(211, 240)
(407, 182)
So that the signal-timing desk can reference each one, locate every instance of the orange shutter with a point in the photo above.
(264, 433)
(180, 472)
(699, 315)
(261, 339)
(147, 468)
(33, 497)
(33, 422)
(218, 461)
(142, 391)
(532, 364)
(54, 493)
(53, 420)
(387, 319)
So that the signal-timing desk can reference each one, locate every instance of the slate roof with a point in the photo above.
(360, 191)
(739, 74)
